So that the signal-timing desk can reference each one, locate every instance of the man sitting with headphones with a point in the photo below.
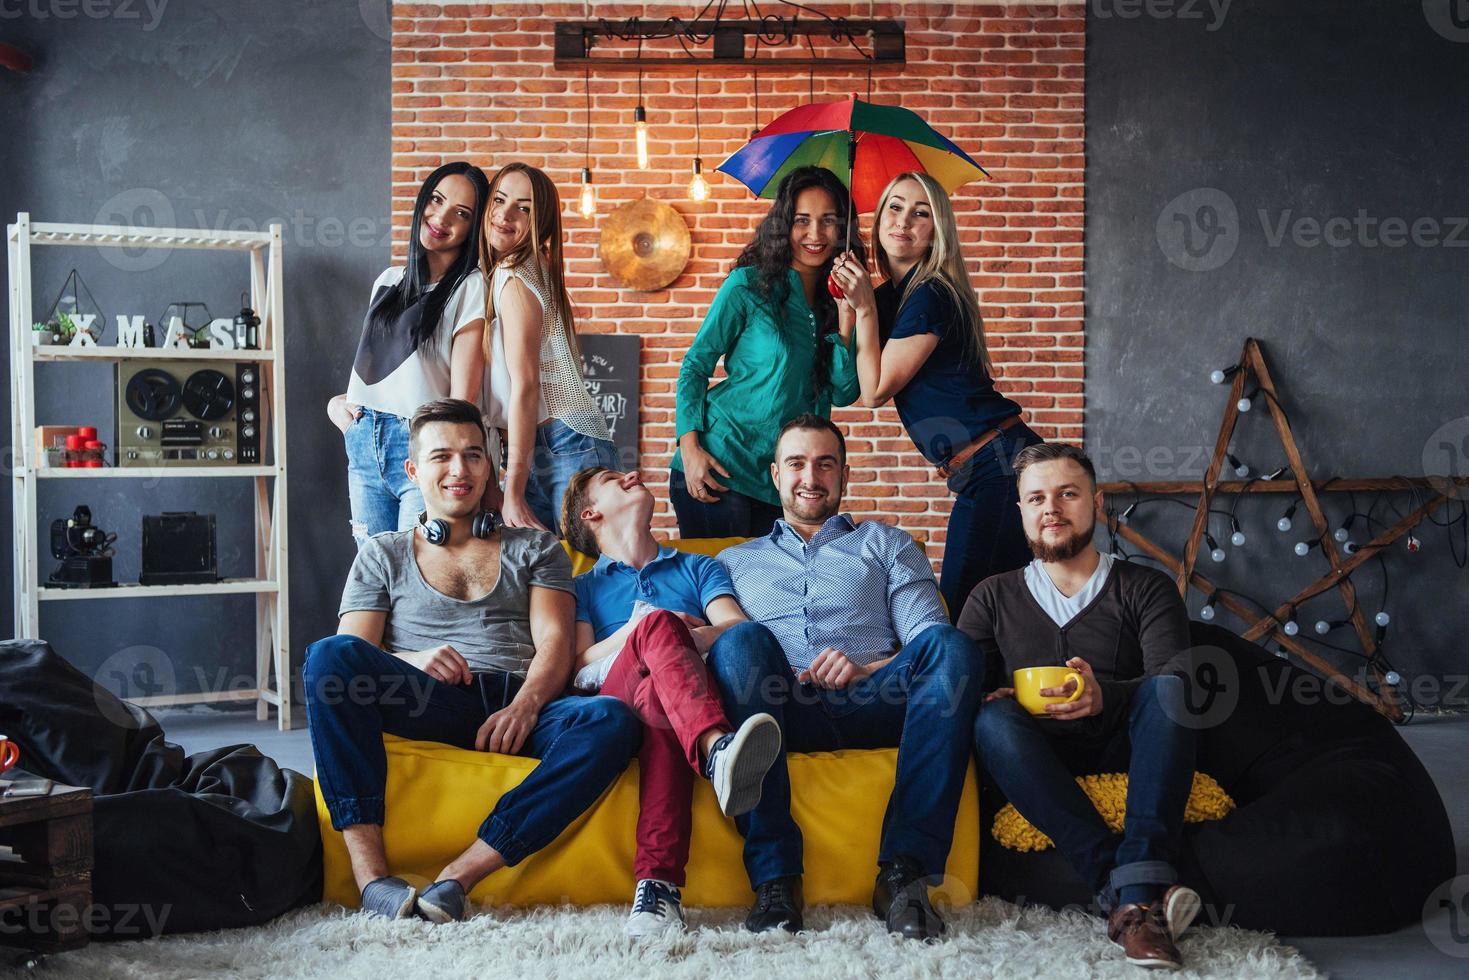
(457, 632)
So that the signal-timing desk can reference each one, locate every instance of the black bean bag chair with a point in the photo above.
(219, 839)
(1338, 829)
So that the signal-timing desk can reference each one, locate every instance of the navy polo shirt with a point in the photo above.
(951, 401)
(675, 580)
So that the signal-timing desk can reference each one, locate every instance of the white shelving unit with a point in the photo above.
(269, 584)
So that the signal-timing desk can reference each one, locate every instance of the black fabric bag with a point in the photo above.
(1338, 830)
(219, 839)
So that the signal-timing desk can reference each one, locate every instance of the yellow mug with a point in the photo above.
(1029, 682)
(9, 753)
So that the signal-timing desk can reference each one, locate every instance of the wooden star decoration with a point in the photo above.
(1338, 575)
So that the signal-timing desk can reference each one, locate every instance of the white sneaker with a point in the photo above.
(657, 909)
(739, 761)
(1180, 905)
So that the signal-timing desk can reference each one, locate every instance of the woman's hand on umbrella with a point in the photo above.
(853, 278)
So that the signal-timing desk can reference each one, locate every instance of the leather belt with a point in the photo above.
(962, 456)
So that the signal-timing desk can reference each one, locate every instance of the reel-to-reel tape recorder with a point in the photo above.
(171, 414)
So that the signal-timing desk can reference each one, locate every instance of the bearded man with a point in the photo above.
(1122, 627)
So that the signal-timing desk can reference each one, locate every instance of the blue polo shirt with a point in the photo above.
(950, 401)
(675, 580)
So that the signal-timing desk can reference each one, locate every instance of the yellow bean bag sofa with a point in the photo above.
(438, 795)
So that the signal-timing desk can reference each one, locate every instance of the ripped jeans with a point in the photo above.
(382, 496)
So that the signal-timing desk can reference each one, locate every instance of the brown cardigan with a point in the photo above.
(1134, 629)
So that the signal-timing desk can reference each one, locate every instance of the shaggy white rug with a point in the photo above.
(989, 939)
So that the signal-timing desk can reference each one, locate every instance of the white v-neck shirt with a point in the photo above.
(1063, 609)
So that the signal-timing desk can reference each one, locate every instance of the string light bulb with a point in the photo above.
(1392, 678)
(1207, 613)
(1215, 552)
(1382, 618)
(1237, 535)
(1290, 627)
(1283, 525)
(1220, 375)
(1241, 470)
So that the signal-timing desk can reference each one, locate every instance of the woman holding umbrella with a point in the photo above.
(785, 352)
(920, 343)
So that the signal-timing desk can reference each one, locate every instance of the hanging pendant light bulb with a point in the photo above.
(588, 206)
(640, 120)
(640, 134)
(588, 196)
(698, 186)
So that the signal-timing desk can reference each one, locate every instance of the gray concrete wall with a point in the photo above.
(218, 114)
(1218, 150)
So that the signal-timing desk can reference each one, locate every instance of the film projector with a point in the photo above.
(644, 245)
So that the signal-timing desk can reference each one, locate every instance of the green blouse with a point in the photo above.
(768, 366)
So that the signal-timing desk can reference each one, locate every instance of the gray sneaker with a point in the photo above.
(443, 901)
(391, 898)
(739, 761)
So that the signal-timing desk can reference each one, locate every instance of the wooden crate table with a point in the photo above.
(46, 869)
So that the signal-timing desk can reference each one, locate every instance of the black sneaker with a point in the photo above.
(777, 903)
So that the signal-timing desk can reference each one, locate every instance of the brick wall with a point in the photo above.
(476, 81)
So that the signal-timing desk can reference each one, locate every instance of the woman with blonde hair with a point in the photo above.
(535, 392)
(920, 343)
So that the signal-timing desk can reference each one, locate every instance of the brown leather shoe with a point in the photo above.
(1142, 932)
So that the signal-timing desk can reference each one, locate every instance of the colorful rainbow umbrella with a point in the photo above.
(865, 143)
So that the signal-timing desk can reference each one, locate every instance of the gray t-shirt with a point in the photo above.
(492, 632)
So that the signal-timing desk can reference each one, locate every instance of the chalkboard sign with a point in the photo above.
(611, 364)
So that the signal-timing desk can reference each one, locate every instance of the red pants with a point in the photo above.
(661, 676)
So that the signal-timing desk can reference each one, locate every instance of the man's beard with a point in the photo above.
(1074, 544)
(812, 511)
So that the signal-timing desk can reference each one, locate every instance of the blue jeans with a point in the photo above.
(985, 535)
(381, 495)
(356, 692)
(561, 451)
(923, 702)
(1035, 764)
(733, 516)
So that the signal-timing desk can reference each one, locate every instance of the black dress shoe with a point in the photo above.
(777, 903)
(901, 899)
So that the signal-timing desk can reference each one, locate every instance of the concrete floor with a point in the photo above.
(1441, 741)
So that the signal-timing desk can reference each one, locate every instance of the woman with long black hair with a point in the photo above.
(421, 341)
(921, 344)
(785, 352)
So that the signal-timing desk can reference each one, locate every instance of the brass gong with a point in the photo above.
(644, 245)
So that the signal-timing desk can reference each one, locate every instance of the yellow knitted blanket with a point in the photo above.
(1108, 793)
